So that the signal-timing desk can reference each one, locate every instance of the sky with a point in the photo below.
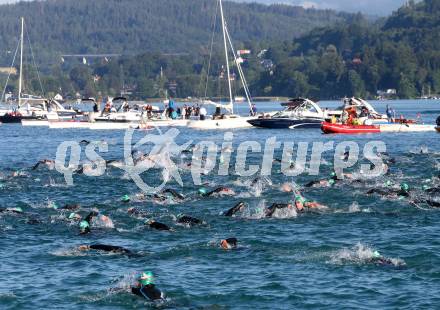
(371, 7)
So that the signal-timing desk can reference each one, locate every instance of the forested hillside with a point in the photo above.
(133, 27)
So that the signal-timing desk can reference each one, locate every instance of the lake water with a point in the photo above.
(314, 260)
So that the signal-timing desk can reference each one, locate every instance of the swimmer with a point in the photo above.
(84, 226)
(326, 182)
(72, 207)
(16, 210)
(105, 248)
(378, 259)
(301, 203)
(137, 212)
(50, 164)
(158, 226)
(403, 192)
(173, 193)
(188, 220)
(229, 244)
(223, 191)
(239, 207)
(145, 287)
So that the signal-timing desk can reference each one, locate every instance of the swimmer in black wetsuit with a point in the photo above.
(16, 210)
(188, 220)
(50, 164)
(105, 248)
(84, 226)
(378, 259)
(146, 288)
(239, 207)
(219, 190)
(404, 192)
(137, 212)
(72, 207)
(158, 226)
(229, 244)
(173, 193)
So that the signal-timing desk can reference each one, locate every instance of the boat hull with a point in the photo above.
(227, 123)
(16, 119)
(285, 123)
(329, 128)
(34, 123)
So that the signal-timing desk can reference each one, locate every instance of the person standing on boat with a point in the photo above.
(253, 111)
(390, 114)
(203, 113)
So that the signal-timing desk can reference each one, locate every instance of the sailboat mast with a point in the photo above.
(20, 82)
(226, 55)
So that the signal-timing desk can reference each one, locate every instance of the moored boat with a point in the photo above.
(299, 113)
(330, 128)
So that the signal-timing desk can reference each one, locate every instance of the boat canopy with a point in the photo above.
(301, 103)
(359, 103)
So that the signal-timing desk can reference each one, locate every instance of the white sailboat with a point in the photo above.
(31, 109)
(228, 120)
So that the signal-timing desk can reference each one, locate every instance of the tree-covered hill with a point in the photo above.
(137, 26)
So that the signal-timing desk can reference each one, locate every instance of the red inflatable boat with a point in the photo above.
(349, 129)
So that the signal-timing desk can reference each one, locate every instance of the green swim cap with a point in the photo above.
(146, 278)
(17, 209)
(125, 198)
(333, 174)
(425, 187)
(84, 225)
(72, 215)
(300, 199)
(376, 254)
(202, 191)
(404, 187)
(331, 182)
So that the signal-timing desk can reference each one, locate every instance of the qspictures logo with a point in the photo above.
(209, 157)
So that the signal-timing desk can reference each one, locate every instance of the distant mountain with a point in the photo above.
(401, 52)
(138, 26)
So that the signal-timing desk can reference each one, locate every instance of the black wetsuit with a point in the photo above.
(137, 212)
(232, 242)
(216, 191)
(42, 162)
(159, 226)
(185, 219)
(88, 219)
(237, 208)
(382, 261)
(109, 248)
(4, 210)
(173, 193)
(276, 206)
(147, 291)
(387, 193)
(70, 207)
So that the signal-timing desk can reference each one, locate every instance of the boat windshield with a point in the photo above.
(296, 110)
